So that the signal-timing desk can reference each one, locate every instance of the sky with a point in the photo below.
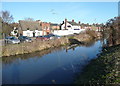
(56, 12)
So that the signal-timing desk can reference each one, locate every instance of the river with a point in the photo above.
(52, 66)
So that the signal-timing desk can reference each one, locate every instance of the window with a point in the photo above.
(38, 33)
(28, 34)
(76, 29)
(27, 28)
(69, 26)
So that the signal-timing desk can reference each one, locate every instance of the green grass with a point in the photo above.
(102, 70)
(71, 37)
(0, 36)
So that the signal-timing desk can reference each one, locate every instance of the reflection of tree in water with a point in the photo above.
(86, 44)
(10, 59)
(84, 58)
(81, 64)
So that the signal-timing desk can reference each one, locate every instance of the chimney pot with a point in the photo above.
(65, 20)
(73, 20)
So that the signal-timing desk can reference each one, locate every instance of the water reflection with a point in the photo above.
(10, 59)
(52, 66)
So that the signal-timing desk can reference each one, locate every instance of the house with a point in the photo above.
(54, 26)
(70, 25)
(30, 28)
(68, 28)
(45, 28)
(34, 28)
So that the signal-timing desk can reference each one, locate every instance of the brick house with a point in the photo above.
(45, 28)
(54, 26)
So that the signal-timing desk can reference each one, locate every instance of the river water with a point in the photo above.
(53, 66)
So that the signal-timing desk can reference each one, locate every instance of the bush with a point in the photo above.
(71, 37)
(91, 33)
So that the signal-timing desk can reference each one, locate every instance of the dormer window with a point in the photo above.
(69, 26)
(40, 24)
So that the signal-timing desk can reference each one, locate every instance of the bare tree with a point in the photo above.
(113, 26)
(6, 17)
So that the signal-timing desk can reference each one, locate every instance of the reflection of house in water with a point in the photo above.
(86, 44)
(11, 59)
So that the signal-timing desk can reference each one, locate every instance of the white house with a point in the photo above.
(70, 25)
(30, 28)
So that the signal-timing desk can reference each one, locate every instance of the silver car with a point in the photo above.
(12, 40)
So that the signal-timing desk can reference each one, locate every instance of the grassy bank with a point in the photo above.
(103, 70)
(36, 45)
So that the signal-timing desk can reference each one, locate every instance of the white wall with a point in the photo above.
(62, 32)
(66, 32)
(76, 27)
(30, 33)
(38, 33)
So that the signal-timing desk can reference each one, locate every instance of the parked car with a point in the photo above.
(12, 40)
(24, 39)
(52, 36)
(42, 38)
(56, 36)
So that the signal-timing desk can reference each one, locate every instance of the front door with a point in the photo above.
(47, 33)
(33, 34)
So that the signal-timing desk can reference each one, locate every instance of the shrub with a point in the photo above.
(91, 33)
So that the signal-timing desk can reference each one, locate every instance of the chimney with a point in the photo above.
(79, 22)
(65, 20)
(73, 20)
(65, 24)
(39, 21)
